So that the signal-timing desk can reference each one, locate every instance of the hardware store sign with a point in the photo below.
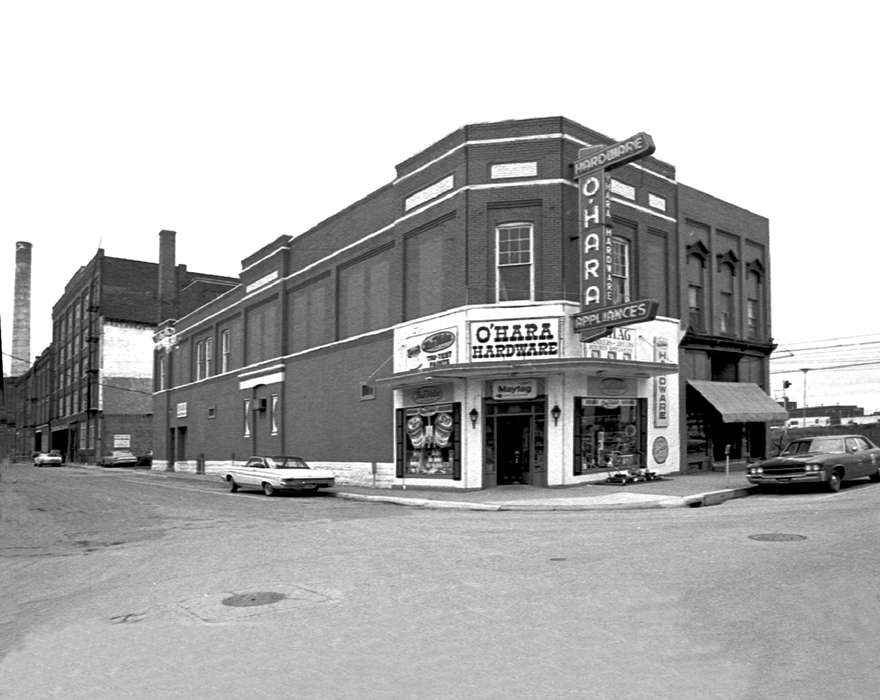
(516, 339)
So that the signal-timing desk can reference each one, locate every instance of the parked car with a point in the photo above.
(146, 459)
(273, 474)
(48, 459)
(119, 458)
(826, 459)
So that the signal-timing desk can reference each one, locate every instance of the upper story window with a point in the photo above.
(200, 360)
(620, 270)
(753, 305)
(727, 306)
(163, 372)
(209, 357)
(514, 277)
(225, 350)
(696, 305)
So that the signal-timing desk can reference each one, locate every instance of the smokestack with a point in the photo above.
(167, 277)
(21, 314)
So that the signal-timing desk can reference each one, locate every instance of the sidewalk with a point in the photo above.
(672, 491)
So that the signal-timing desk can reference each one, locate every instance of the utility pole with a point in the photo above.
(804, 409)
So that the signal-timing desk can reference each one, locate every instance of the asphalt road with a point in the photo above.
(112, 584)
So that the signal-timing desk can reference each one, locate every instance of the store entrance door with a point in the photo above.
(514, 443)
(514, 435)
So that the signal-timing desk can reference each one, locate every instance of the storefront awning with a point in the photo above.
(489, 370)
(740, 402)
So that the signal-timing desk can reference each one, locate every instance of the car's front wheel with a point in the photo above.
(233, 487)
(268, 489)
(834, 480)
(876, 475)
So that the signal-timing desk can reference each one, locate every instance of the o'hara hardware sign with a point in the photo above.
(594, 221)
(516, 339)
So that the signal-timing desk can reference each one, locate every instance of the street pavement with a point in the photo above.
(671, 491)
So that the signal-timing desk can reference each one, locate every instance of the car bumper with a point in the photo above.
(782, 479)
(307, 485)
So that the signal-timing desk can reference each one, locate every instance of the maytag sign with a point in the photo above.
(594, 220)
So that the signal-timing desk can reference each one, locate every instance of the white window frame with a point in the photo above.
(200, 360)
(247, 418)
(627, 246)
(209, 356)
(225, 350)
(163, 372)
(498, 265)
(274, 405)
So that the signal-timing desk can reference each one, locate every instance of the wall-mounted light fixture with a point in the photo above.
(555, 412)
(474, 416)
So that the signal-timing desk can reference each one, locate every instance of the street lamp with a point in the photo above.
(804, 409)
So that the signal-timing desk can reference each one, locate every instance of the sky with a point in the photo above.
(235, 122)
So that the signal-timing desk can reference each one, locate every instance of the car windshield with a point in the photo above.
(286, 463)
(825, 445)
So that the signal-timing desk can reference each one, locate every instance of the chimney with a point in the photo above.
(21, 315)
(167, 277)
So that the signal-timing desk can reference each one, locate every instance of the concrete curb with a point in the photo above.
(713, 498)
(701, 499)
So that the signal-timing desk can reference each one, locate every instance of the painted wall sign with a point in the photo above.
(438, 341)
(660, 449)
(435, 349)
(516, 339)
(514, 389)
(620, 344)
(121, 441)
(661, 385)
(612, 387)
(638, 146)
(428, 394)
(181, 409)
(597, 323)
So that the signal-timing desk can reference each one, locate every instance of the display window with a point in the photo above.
(429, 441)
(609, 434)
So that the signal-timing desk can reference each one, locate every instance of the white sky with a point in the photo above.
(235, 122)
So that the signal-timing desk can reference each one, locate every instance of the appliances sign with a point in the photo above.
(517, 339)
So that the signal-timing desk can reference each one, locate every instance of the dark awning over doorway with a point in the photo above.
(740, 402)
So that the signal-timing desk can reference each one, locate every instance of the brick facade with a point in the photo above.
(318, 320)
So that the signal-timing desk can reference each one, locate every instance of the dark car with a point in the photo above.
(826, 459)
(119, 458)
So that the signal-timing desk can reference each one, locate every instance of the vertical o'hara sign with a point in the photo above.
(595, 240)
(594, 216)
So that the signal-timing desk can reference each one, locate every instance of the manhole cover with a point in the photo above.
(244, 600)
(777, 537)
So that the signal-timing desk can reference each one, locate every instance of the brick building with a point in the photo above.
(90, 391)
(424, 334)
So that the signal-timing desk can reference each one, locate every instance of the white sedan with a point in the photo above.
(273, 474)
(50, 458)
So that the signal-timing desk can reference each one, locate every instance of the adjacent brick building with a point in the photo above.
(90, 391)
(424, 334)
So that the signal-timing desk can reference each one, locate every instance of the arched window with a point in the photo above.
(696, 273)
(727, 300)
(754, 329)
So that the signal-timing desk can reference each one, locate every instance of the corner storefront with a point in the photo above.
(503, 394)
